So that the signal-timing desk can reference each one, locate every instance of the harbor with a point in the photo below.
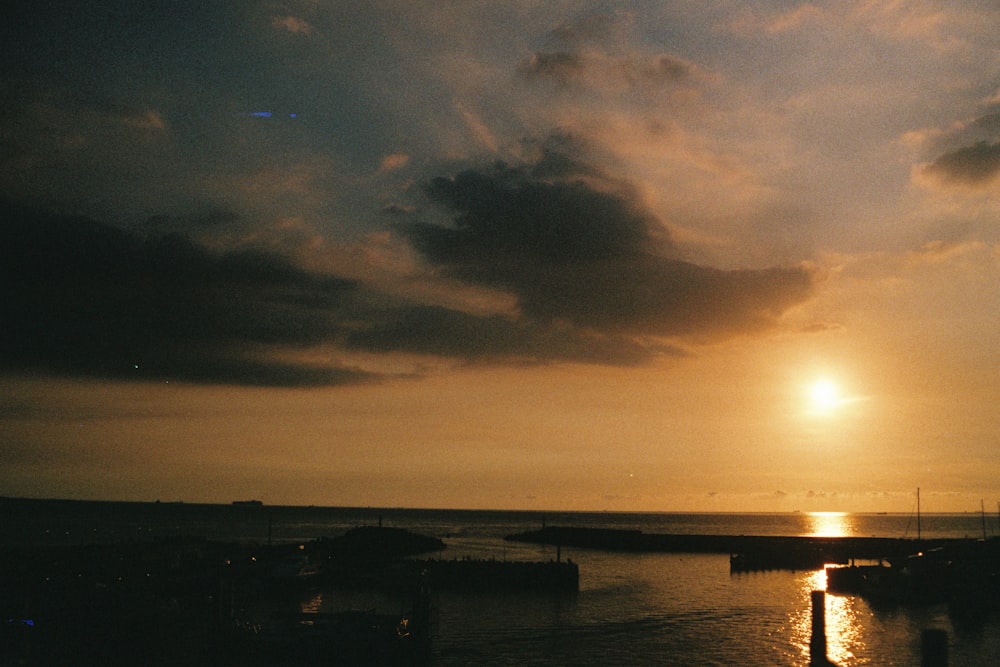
(190, 600)
(102, 583)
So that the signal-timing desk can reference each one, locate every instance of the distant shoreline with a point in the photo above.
(540, 512)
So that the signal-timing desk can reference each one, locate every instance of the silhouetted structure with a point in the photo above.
(934, 648)
(747, 552)
(195, 601)
(963, 573)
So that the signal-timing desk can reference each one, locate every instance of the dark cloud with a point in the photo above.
(202, 223)
(83, 297)
(668, 67)
(637, 73)
(988, 123)
(558, 65)
(597, 28)
(511, 215)
(593, 258)
(591, 269)
(972, 165)
(589, 53)
(450, 333)
(555, 163)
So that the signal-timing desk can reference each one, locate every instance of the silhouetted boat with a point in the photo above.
(964, 573)
(854, 579)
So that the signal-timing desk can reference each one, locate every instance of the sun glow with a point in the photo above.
(829, 524)
(824, 396)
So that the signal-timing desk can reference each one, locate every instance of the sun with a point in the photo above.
(824, 396)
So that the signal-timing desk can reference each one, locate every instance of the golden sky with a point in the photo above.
(675, 256)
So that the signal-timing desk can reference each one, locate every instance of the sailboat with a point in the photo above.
(919, 574)
(963, 573)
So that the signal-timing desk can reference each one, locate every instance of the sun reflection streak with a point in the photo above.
(844, 640)
(830, 524)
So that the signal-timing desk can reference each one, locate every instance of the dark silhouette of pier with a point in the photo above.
(747, 552)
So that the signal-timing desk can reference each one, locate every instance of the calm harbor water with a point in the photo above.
(632, 609)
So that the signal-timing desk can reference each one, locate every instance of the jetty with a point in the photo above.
(393, 558)
(747, 552)
(373, 545)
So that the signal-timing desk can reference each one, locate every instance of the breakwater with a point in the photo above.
(747, 552)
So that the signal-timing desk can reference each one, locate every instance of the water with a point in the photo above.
(632, 609)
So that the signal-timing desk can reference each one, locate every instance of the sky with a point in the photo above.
(645, 256)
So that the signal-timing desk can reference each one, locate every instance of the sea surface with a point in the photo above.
(631, 609)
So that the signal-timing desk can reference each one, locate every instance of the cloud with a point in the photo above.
(796, 19)
(496, 338)
(959, 134)
(393, 162)
(973, 166)
(597, 28)
(593, 59)
(559, 66)
(293, 25)
(589, 273)
(939, 251)
(85, 298)
(150, 120)
(587, 253)
(477, 128)
(749, 22)
(610, 74)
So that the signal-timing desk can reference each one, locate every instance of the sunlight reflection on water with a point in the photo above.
(844, 622)
(830, 524)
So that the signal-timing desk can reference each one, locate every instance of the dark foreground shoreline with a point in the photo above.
(193, 601)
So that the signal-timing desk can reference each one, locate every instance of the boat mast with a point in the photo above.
(982, 512)
(918, 513)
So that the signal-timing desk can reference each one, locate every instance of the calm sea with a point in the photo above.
(632, 609)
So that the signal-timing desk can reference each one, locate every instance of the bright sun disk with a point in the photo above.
(824, 395)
